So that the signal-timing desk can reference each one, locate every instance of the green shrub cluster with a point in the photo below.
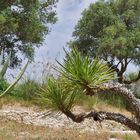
(29, 88)
(26, 90)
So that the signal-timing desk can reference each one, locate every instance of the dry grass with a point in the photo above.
(11, 130)
(11, 100)
(124, 136)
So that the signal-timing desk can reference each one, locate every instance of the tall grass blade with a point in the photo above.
(15, 82)
(5, 67)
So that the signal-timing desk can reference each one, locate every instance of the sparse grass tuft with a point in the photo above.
(129, 137)
(27, 89)
(124, 136)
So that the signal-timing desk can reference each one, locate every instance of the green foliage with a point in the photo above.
(102, 98)
(4, 66)
(89, 102)
(14, 82)
(82, 71)
(23, 25)
(76, 74)
(128, 137)
(110, 30)
(27, 89)
(3, 85)
(57, 96)
(114, 100)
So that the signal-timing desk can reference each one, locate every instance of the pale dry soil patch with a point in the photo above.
(31, 123)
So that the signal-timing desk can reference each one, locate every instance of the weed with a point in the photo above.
(129, 137)
(27, 89)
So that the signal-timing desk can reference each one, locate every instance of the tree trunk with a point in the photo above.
(120, 77)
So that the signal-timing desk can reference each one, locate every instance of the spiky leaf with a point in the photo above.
(15, 82)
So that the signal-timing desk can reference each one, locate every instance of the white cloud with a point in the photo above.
(69, 12)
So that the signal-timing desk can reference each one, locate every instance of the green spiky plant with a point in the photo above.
(57, 96)
(3, 69)
(81, 74)
(77, 75)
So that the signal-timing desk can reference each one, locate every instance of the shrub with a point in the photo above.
(27, 89)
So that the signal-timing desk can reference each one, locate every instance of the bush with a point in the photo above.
(27, 89)
(3, 85)
(114, 100)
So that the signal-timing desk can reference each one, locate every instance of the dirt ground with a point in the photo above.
(31, 123)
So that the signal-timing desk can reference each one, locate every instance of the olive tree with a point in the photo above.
(110, 30)
(23, 26)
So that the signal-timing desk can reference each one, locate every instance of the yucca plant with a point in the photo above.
(3, 69)
(79, 74)
(57, 96)
(81, 71)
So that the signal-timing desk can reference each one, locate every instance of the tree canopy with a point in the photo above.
(23, 25)
(110, 30)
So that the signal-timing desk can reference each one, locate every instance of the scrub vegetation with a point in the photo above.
(92, 75)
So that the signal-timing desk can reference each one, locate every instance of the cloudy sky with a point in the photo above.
(68, 13)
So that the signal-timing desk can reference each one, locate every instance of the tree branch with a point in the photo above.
(127, 94)
(122, 70)
(100, 116)
(113, 67)
(119, 89)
